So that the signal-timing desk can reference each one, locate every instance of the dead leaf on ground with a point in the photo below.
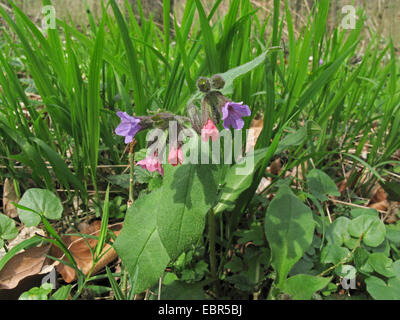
(393, 212)
(380, 206)
(256, 125)
(27, 263)
(80, 251)
(9, 196)
(24, 233)
(378, 194)
(275, 167)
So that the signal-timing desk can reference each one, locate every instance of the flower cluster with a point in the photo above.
(215, 107)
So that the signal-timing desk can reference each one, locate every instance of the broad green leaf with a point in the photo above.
(337, 232)
(393, 233)
(121, 180)
(289, 227)
(321, 185)
(346, 270)
(37, 293)
(235, 183)
(371, 227)
(332, 253)
(62, 293)
(298, 137)
(8, 230)
(380, 290)
(41, 201)
(139, 244)
(360, 211)
(361, 257)
(381, 264)
(188, 191)
(293, 139)
(230, 75)
(179, 290)
(303, 286)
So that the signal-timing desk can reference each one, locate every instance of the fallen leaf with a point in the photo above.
(22, 265)
(9, 196)
(393, 212)
(24, 233)
(378, 194)
(380, 206)
(256, 125)
(80, 250)
(276, 167)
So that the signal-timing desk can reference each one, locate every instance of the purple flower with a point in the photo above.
(232, 114)
(128, 127)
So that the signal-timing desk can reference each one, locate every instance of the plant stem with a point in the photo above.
(131, 168)
(212, 251)
(343, 261)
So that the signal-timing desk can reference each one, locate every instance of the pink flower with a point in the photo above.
(209, 130)
(175, 156)
(152, 163)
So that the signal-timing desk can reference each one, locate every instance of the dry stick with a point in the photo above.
(354, 205)
(159, 286)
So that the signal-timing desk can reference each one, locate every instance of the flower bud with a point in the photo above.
(217, 82)
(203, 84)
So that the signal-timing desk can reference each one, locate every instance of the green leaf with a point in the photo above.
(361, 257)
(236, 183)
(381, 264)
(230, 75)
(178, 290)
(337, 232)
(289, 227)
(41, 201)
(371, 226)
(303, 286)
(321, 185)
(360, 211)
(139, 244)
(62, 293)
(188, 191)
(8, 230)
(332, 253)
(37, 293)
(379, 290)
(121, 180)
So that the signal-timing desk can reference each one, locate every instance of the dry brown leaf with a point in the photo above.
(264, 183)
(380, 206)
(342, 186)
(257, 126)
(298, 171)
(80, 251)
(393, 212)
(27, 263)
(378, 194)
(9, 196)
(276, 167)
